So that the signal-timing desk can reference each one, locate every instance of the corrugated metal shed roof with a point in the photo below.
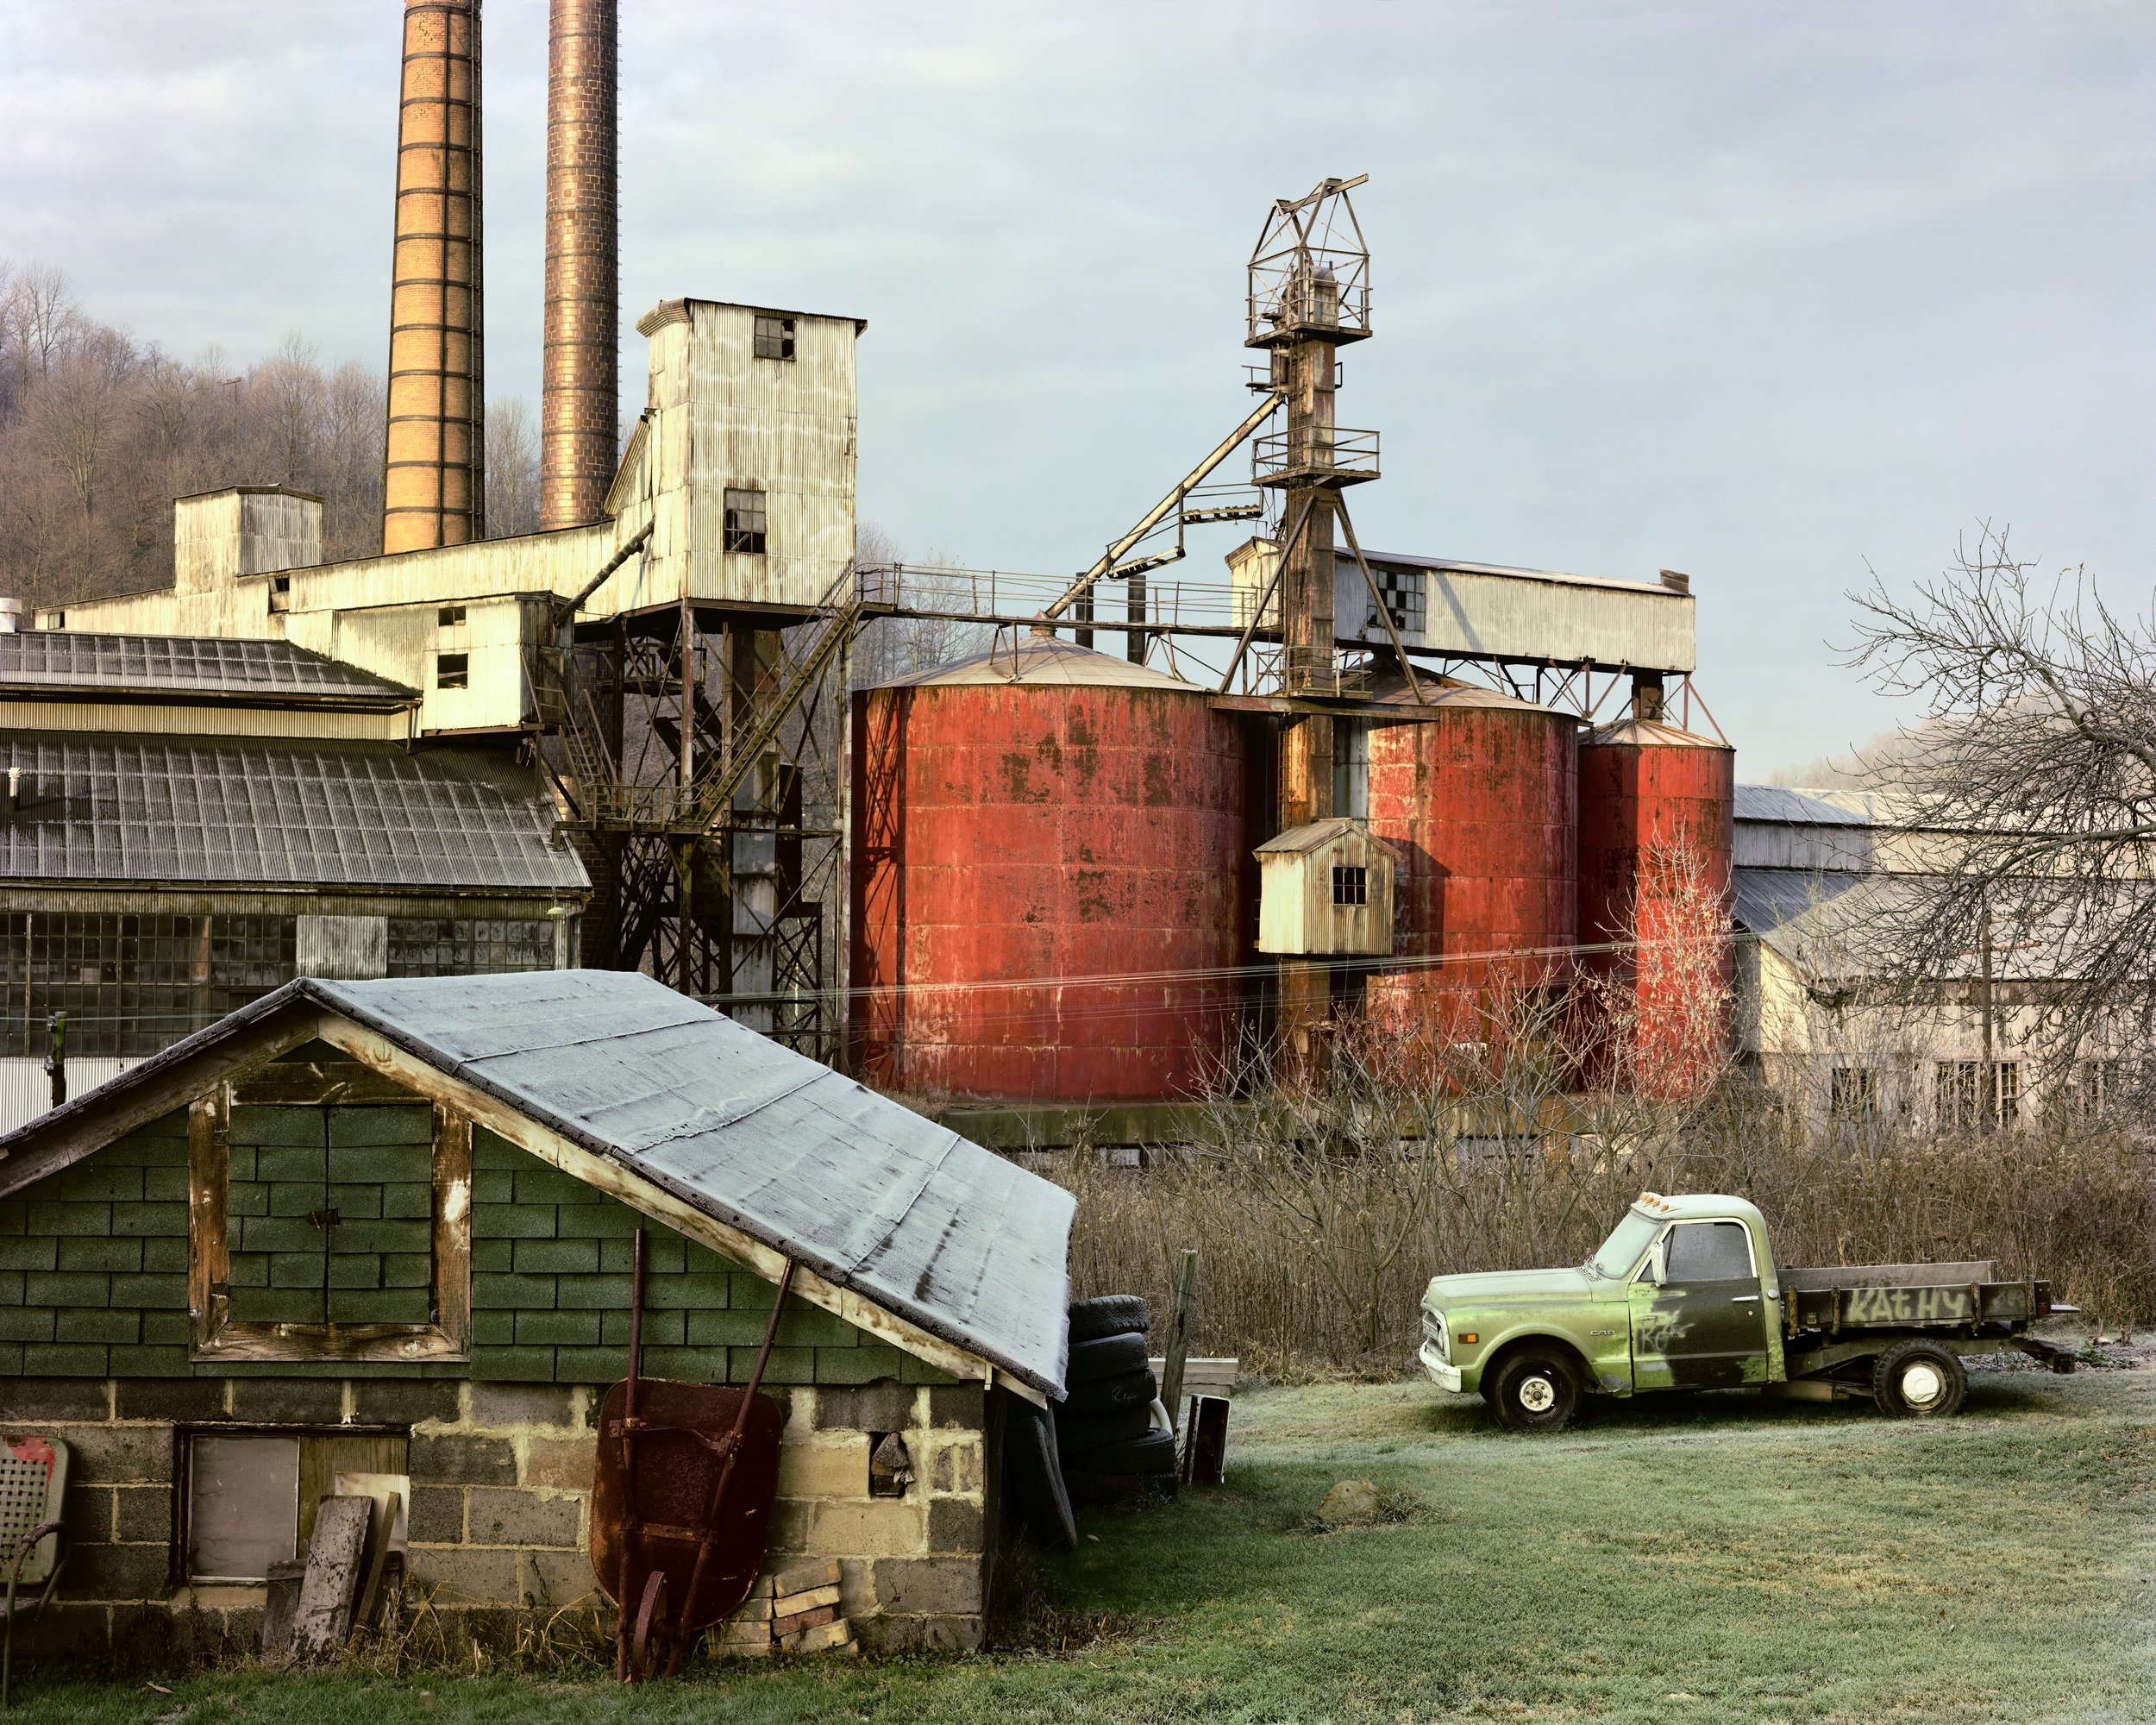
(1316, 834)
(1771, 802)
(1045, 659)
(57, 662)
(867, 1193)
(242, 811)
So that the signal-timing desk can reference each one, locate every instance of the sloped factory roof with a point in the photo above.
(1647, 733)
(862, 1192)
(80, 663)
(232, 810)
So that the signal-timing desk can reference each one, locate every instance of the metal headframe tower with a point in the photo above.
(697, 752)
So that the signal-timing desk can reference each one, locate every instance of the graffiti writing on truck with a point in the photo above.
(1909, 1305)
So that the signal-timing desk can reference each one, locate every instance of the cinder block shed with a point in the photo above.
(384, 1227)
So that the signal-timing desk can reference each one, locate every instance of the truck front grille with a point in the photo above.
(1433, 1330)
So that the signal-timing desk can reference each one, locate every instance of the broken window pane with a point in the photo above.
(744, 521)
(774, 337)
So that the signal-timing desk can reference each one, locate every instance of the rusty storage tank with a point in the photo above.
(1656, 824)
(1477, 791)
(1025, 819)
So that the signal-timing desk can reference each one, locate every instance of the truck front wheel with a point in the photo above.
(1537, 1389)
(1914, 1380)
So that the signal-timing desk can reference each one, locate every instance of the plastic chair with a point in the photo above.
(33, 1544)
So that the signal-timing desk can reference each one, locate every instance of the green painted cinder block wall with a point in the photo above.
(93, 1265)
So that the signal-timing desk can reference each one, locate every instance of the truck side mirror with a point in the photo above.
(1659, 1262)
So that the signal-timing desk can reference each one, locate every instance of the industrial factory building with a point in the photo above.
(1041, 891)
(1817, 872)
(189, 823)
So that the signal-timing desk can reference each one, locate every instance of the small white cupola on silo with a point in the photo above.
(1326, 889)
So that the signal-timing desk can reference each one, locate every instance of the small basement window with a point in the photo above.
(774, 337)
(890, 1465)
(452, 670)
(449, 616)
(1351, 884)
(744, 521)
(252, 1496)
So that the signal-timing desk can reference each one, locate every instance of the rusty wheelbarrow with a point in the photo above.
(687, 1475)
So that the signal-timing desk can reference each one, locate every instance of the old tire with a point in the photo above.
(1111, 1395)
(1105, 1357)
(1918, 1380)
(1148, 1453)
(1076, 1435)
(1537, 1389)
(1033, 1476)
(1108, 1314)
(1087, 1486)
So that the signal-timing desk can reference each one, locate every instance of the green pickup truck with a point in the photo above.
(1685, 1295)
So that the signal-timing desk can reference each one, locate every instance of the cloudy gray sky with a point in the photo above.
(1757, 290)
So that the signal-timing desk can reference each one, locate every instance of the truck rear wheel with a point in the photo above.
(1918, 1380)
(1537, 1389)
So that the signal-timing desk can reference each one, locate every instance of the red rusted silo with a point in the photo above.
(1479, 797)
(1656, 807)
(1024, 822)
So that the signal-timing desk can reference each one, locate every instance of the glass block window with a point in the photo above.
(469, 946)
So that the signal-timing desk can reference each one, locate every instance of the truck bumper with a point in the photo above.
(1443, 1373)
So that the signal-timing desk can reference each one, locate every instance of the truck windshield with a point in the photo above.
(1617, 1254)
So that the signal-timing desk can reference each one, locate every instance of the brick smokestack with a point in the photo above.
(579, 393)
(434, 467)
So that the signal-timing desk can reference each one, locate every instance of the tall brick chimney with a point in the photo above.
(435, 462)
(579, 386)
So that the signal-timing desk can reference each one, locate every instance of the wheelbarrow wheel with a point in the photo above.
(643, 1655)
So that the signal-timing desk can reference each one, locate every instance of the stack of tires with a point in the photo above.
(1112, 1435)
(1109, 1442)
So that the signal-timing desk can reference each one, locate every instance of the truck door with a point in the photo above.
(1697, 1320)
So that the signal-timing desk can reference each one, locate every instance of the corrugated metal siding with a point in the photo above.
(25, 1089)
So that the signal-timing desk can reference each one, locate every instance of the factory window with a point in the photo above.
(1967, 1095)
(132, 984)
(449, 616)
(469, 946)
(1351, 884)
(774, 337)
(1852, 1093)
(280, 594)
(2096, 1088)
(1402, 591)
(452, 670)
(744, 521)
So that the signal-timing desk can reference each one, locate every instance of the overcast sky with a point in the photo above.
(1755, 291)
